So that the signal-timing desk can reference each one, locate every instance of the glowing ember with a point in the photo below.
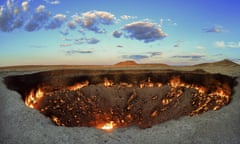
(78, 86)
(108, 126)
(107, 83)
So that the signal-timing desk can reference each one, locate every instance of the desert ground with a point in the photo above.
(21, 124)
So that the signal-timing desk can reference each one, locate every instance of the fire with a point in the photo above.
(149, 83)
(108, 126)
(72, 106)
(175, 81)
(107, 83)
(78, 86)
(33, 98)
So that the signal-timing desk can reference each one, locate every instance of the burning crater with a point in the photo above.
(113, 99)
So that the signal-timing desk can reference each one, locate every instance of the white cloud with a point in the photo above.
(127, 17)
(57, 21)
(38, 20)
(223, 44)
(72, 25)
(13, 15)
(10, 4)
(10, 17)
(220, 44)
(25, 5)
(144, 30)
(53, 2)
(192, 56)
(167, 21)
(60, 17)
(92, 19)
(76, 18)
(214, 29)
(87, 40)
(40, 8)
(135, 57)
(233, 44)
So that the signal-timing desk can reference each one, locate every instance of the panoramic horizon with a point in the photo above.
(58, 32)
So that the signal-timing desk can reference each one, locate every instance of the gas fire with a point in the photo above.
(78, 105)
(78, 86)
(107, 83)
(33, 98)
(108, 126)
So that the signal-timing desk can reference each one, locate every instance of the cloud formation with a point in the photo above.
(117, 34)
(65, 45)
(223, 44)
(71, 52)
(145, 31)
(53, 2)
(153, 54)
(10, 17)
(92, 20)
(15, 15)
(72, 25)
(25, 5)
(192, 57)
(38, 20)
(135, 57)
(127, 17)
(87, 40)
(57, 21)
(214, 29)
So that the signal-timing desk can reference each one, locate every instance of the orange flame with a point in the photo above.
(78, 86)
(107, 83)
(175, 81)
(33, 98)
(108, 126)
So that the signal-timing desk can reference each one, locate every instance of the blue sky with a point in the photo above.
(175, 32)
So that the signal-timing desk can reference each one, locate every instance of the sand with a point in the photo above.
(20, 124)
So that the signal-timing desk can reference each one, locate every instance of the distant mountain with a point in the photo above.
(225, 62)
(126, 63)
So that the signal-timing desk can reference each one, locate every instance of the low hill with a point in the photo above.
(224, 62)
(126, 63)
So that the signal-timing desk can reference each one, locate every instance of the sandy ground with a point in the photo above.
(20, 124)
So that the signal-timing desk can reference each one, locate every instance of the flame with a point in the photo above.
(203, 99)
(107, 83)
(175, 81)
(33, 98)
(78, 86)
(108, 126)
(200, 89)
(149, 83)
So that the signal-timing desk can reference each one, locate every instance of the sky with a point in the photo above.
(105, 32)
